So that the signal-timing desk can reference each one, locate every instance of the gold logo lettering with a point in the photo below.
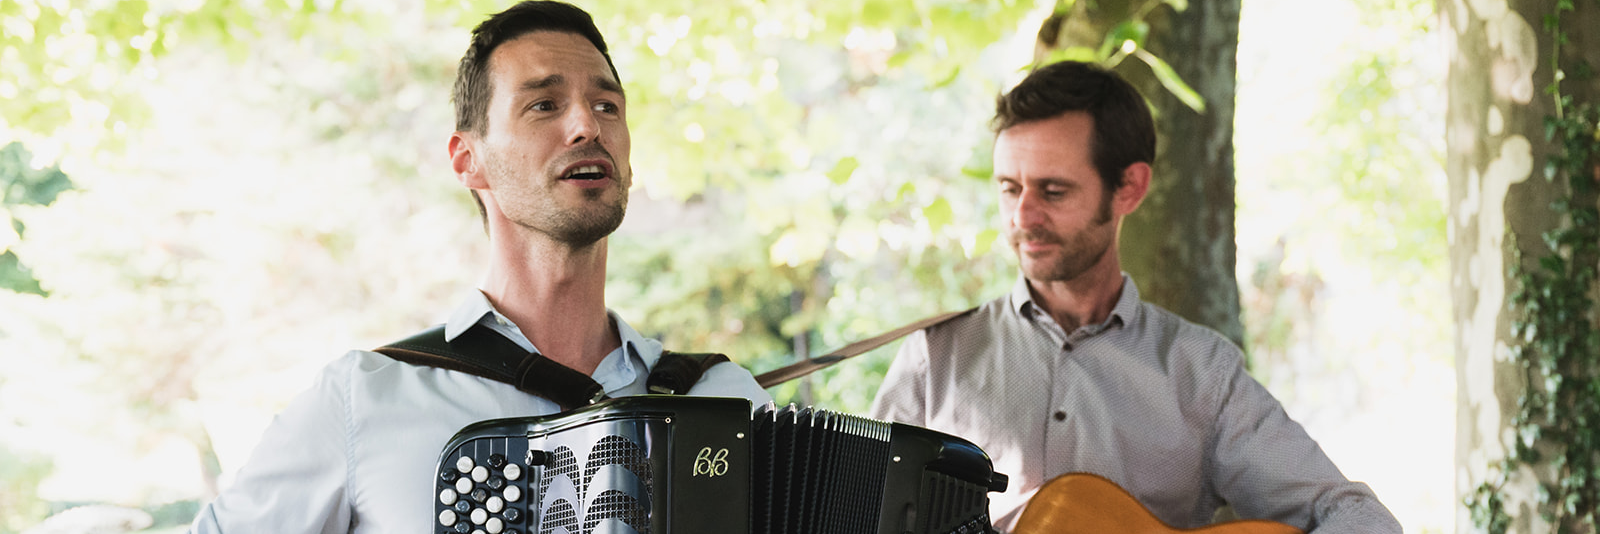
(711, 465)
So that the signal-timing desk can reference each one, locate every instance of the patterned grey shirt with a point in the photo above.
(1159, 405)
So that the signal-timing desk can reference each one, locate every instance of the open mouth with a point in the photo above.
(586, 173)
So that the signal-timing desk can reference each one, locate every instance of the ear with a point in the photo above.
(1135, 184)
(464, 161)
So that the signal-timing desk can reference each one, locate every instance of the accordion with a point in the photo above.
(657, 464)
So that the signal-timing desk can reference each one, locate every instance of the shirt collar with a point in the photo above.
(1124, 312)
(475, 309)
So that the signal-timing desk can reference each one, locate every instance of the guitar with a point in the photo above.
(1084, 503)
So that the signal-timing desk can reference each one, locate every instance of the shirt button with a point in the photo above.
(1061, 416)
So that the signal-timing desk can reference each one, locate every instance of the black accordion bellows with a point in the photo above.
(686, 465)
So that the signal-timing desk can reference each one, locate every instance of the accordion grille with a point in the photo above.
(598, 502)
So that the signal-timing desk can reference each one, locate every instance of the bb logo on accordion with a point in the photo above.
(711, 466)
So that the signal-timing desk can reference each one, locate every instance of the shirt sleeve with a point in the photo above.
(294, 481)
(1266, 465)
(902, 397)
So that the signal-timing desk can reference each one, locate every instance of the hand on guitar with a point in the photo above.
(1083, 503)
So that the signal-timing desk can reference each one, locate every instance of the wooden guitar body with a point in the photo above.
(1084, 503)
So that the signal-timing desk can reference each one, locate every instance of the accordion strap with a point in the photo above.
(482, 352)
(812, 365)
(676, 372)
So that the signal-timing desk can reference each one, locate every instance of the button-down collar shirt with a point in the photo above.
(357, 451)
(1158, 405)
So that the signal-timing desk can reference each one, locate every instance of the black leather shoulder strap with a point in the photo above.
(676, 372)
(482, 352)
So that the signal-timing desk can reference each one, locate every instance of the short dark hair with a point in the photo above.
(1124, 132)
(472, 89)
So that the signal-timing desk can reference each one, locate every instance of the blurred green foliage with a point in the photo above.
(20, 505)
(23, 185)
(1373, 176)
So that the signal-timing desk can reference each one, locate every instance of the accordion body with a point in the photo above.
(656, 464)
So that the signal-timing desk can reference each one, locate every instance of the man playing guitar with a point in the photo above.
(1072, 372)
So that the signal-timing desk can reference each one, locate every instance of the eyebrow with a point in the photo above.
(553, 80)
(543, 83)
(608, 84)
(1038, 182)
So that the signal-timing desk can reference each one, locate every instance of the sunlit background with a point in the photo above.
(258, 195)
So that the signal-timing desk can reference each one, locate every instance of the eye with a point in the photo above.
(607, 108)
(542, 105)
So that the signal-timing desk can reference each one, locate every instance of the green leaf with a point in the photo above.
(20, 183)
(907, 189)
(1552, 263)
(980, 164)
(843, 170)
(1129, 30)
(1081, 54)
(876, 13)
(1170, 79)
(984, 241)
(899, 59)
(947, 79)
(17, 277)
(938, 214)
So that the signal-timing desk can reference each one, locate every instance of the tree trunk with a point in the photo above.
(1179, 245)
(1500, 208)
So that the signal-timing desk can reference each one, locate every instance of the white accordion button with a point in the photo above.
(494, 525)
(480, 474)
(495, 505)
(447, 518)
(464, 464)
(513, 471)
(463, 485)
(447, 497)
(479, 516)
(513, 493)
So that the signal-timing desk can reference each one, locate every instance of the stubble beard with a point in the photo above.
(536, 208)
(1079, 252)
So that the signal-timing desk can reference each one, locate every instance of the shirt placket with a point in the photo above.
(1060, 426)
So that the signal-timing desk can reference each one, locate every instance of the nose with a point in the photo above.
(1025, 211)
(582, 125)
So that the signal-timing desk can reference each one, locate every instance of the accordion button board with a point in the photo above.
(657, 464)
(474, 493)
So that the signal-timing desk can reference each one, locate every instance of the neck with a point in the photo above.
(1085, 299)
(555, 294)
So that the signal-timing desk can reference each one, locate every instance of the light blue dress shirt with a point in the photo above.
(356, 452)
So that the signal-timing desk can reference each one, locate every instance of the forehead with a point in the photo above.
(543, 53)
(1056, 147)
